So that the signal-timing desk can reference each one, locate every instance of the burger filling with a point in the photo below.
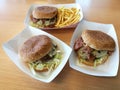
(41, 23)
(48, 62)
(89, 54)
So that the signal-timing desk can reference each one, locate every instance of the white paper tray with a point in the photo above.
(32, 7)
(12, 46)
(110, 67)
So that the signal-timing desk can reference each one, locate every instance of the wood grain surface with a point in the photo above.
(12, 15)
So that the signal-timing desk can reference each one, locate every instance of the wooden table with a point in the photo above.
(12, 15)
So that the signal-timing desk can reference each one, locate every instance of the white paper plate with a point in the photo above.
(11, 48)
(110, 67)
(32, 7)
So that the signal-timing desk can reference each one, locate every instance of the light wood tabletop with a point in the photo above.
(12, 15)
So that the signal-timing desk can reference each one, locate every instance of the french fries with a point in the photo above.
(67, 16)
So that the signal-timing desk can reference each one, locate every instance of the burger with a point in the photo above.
(93, 47)
(40, 54)
(44, 17)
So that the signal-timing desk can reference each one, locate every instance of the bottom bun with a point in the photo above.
(43, 70)
(91, 63)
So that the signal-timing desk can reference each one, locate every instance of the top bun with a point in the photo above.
(35, 48)
(44, 12)
(98, 40)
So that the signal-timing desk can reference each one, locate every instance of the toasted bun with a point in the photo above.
(43, 70)
(91, 63)
(98, 40)
(44, 12)
(35, 48)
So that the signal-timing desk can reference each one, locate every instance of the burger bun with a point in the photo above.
(35, 48)
(44, 12)
(98, 40)
(90, 62)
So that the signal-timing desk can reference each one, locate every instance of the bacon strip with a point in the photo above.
(85, 49)
(78, 44)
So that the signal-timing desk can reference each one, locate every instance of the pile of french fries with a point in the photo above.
(67, 16)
